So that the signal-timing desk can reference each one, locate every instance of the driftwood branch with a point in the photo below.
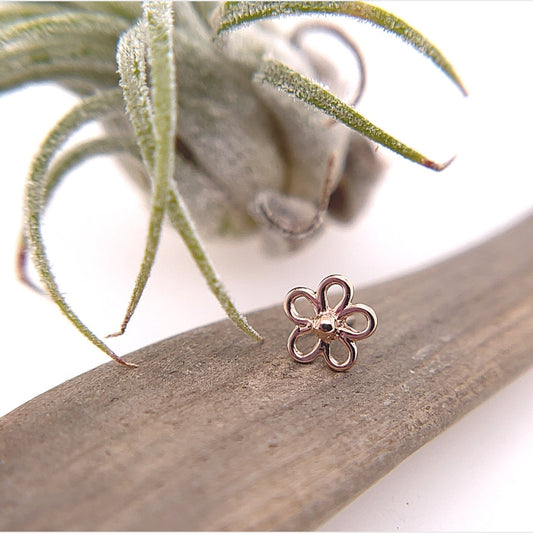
(213, 431)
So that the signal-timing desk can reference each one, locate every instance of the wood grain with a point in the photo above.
(215, 432)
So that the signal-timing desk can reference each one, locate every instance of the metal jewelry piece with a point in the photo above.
(329, 323)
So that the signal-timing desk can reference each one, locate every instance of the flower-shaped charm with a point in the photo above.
(329, 323)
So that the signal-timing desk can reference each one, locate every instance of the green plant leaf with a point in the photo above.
(60, 166)
(128, 10)
(63, 47)
(132, 67)
(131, 58)
(58, 57)
(67, 160)
(293, 83)
(59, 46)
(154, 117)
(20, 11)
(98, 76)
(74, 24)
(182, 221)
(101, 105)
(231, 15)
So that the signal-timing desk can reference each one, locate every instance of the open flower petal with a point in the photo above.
(348, 362)
(295, 353)
(371, 322)
(347, 292)
(292, 313)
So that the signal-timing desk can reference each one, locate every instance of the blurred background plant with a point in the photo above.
(244, 154)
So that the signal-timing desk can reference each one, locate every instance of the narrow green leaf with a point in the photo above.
(181, 220)
(132, 67)
(97, 75)
(60, 166)
(20, 11)
(92, 108)
(133, 71)
(292, 82)
(233, 14)
(67, 160)
(58, 57)
(74, 24)
(160, 127)
(128, 10)
(83, 48)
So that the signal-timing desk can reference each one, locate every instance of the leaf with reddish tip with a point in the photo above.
(293, 83)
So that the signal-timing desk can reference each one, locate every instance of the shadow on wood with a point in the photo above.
(213, 431)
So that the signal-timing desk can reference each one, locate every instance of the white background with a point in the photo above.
(477, 475)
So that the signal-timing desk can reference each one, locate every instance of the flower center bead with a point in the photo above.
(325, 326)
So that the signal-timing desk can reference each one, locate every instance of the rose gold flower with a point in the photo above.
(329, 323)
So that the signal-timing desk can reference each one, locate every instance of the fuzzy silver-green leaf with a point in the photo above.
(182, 221)
(92, 108)
(93, 24)
(144, 116)
(231, 15)
(67, 160)
(293, 83)
(158, 25)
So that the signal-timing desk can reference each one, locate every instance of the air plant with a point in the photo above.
(228, 135)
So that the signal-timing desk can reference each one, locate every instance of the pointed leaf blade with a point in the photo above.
(231, 15)
(154, 117)
(92, 108)
(293, 83)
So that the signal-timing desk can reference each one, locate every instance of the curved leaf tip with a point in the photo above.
(293, 83)
(438, 166)
(91, 108)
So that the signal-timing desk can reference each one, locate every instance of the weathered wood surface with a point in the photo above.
(216, 432)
